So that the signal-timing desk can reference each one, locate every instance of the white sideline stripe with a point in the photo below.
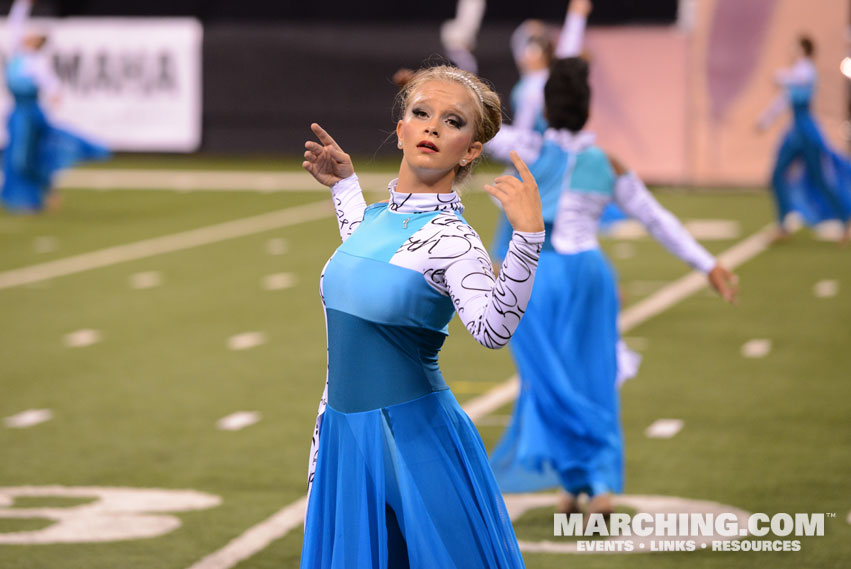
(257, 538)
(273, 528)
(700, 229)
(189, 180)
(685, 286)
(165, 244)
(217, 181)
(200, 180)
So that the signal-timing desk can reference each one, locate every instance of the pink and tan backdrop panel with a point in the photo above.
(679, 104)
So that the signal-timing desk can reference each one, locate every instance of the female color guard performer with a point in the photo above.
(821, 190)
(399, 476)
(36, 149)
(565, 430)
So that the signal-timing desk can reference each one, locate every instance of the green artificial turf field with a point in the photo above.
(138, 407)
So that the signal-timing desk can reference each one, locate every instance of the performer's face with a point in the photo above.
(438, 127)
(34, 42)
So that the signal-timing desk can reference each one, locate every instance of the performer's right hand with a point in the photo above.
(326, 162)
(581, 7)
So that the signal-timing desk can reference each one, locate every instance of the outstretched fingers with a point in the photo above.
(522, 169)
(726, 283)
(496, 192)
(323, 136)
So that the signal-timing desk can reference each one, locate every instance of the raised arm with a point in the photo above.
(527, 143)
(771, 113)
(458, 35)
(490, 307)
(332, 167)
(349, 205)
(636, 200)
(572, 33)
(16, 22)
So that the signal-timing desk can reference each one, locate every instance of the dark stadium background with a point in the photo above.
(270, 68)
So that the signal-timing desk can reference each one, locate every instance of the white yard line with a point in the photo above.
(684, 287)
(216, 181)
(28, 418)
(756, 348)
(257, 538)
(663, 428)
(166, 244)
(238, 420)
(189, 180)
(280, 524)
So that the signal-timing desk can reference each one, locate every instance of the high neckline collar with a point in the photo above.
(422, 202)
(571, 141)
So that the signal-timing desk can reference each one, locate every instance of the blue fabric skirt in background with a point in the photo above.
(406, 486)
(809, 176)
(35, 152)
(565, 430)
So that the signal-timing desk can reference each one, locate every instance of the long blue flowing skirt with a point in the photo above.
(565, 430)
(35, 151)
(407, 485)
(809, 176)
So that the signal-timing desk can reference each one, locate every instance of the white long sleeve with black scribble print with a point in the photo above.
(453, 260)
(451, 257)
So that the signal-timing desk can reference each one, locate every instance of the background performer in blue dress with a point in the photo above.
(533, 49)
(399, 476)
(821, 190)
(35, 149)
(534, 45)
(565, 430)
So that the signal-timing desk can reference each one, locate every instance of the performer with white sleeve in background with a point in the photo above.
(565, 430)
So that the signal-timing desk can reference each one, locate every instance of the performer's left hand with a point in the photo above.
(520, 200)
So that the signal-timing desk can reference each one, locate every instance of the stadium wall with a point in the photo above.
(677, 103)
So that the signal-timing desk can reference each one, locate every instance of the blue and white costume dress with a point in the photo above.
(399, 476)
(36, 149)
(565, 430)
(527, 106)
(809, 177)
